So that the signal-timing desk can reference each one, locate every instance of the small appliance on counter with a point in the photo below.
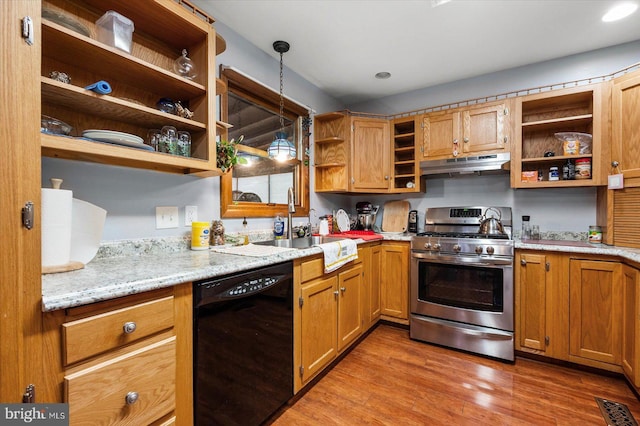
(366, 215)
(413, 222)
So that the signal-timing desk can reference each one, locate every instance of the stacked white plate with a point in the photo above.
(118, 138)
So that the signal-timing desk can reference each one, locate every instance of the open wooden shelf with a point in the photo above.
(78, 98)
(104, 153)
(75, 49)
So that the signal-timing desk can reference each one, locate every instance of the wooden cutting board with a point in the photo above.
(395, 216)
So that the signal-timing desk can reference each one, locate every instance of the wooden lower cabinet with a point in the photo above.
(318, 340)
(350, 324)
(631, 325)
(574, 308)
(373, 283)
(595, 291)
(126, 360)
(394, 281)
(541, 302)
(331, 311)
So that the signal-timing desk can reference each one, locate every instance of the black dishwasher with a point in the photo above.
(243, 346)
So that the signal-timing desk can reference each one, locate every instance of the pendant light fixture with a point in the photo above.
(281, 148)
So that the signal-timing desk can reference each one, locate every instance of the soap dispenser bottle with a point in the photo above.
(278, 227)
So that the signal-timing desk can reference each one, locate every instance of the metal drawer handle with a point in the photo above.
(131, 398)
(129, 327)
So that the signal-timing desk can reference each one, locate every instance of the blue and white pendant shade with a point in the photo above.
(281, 148)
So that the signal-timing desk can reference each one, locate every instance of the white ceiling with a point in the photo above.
(340, 45)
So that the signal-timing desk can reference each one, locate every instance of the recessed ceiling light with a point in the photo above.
(436, 3)
(383, 75)
(619, 11)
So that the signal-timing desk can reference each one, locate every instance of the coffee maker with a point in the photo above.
(366, 215)
(413, 222)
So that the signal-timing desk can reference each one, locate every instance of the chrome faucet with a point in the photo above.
(292, 209)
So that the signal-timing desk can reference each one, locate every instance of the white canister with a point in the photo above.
(324, 227)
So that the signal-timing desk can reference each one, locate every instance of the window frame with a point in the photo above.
(261, 95)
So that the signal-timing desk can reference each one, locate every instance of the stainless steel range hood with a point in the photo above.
(488, 163)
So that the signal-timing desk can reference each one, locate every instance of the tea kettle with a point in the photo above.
(491, 225)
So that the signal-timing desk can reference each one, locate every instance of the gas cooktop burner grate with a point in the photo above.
(463, 235)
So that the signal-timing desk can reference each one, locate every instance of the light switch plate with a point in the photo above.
(166, 217)
(190, 215)
(616, 181)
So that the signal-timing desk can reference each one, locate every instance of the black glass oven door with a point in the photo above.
(462, 286)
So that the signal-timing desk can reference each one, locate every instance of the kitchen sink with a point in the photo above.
(299, 243)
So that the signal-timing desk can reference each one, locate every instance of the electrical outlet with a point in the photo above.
(166, 217)
(190, 215)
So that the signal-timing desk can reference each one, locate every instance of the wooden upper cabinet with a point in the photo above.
(441, 132)
(460, 132)
(138, 80)
(540, 116)
(486, 127)
(351, 153)
(625, 127)
(406, 142)
(370, 166)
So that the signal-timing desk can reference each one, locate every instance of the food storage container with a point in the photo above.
(115, 30)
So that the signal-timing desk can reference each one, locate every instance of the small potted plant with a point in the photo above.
(227, 154)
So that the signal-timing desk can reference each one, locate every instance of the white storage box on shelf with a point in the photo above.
(115, 30)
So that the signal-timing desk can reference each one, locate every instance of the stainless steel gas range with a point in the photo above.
(462, 281)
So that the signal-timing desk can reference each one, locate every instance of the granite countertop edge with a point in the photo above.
(111, 277)
(579, 247)
(118, 275)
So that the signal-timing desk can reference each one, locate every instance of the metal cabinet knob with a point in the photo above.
(523, 262)
(614, 163)
(343, 289)
(336, 293)
(386, 178)
(129, 327)
(131, 398)
(466, 140)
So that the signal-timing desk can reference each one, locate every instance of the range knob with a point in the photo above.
(436, 247)
(427, 246)
(490, 250)
(478, 249)
(457, 248)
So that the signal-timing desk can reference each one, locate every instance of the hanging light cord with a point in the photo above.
(281, 96)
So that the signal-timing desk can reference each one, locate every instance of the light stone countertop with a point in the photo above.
(627, 253)
(142, 265)
(135, 266)
(111, 277)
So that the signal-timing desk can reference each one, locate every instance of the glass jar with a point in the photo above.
(526, 228)
(169, 140)
(184, 144)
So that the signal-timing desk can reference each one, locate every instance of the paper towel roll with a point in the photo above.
(56, 226)
(86, 230)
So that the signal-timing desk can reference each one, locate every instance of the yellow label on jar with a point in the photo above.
(200, 234)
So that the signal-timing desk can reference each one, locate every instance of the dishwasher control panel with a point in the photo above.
(243, 284)
(250, 286)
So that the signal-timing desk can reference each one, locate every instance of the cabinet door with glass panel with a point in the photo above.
(257, 185)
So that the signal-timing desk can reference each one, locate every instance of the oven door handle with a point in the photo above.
(462, 260)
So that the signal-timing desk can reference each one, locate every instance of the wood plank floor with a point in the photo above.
(389, 379)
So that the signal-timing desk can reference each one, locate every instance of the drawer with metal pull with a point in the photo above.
(137, 387)
(96, 334)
